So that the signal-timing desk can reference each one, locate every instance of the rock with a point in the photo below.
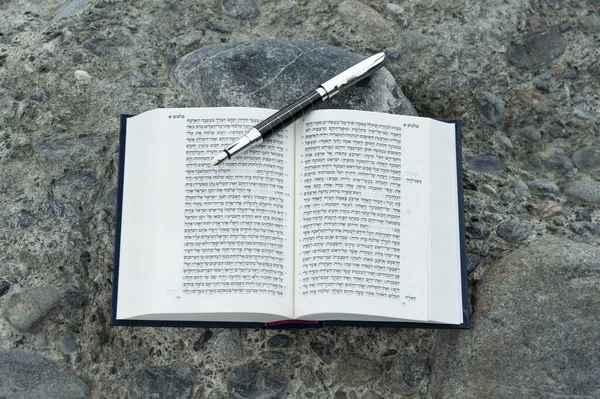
(68, 345)
(543, 186)
(74, 184)
(364, 19)
(25, 374)
(485, 163)
(534, 332)
(61, 210)
(252, 74)
(108, 200)
(584, 191)
(240, 9)
(280, 341)
(190, 38)
(594, 69)
(273, 355)
(101, 47)
(589, 23)
(472, 262)
(74, 7)
(514, 231)
(4, 286)
(24, 219)
(204, 338)
(228, 344)
(354, 370)
(521, 189)
(65, 147)
(530, 133)
(75, 299)
(140, 79)
(559, 163)
(584, 114)
(218, 25)
(250, 381)
(25, 308)
(82, 76)
(587, 158)
(17, 270)
(536, 50)
(414, 373)
(174, 381)
(478, 230)
(489, 108)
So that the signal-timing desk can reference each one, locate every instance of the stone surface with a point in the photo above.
(584, 191)
(250, 381)
(252, 74)
(4, 286)
(242, 9)
(543, 186)
(356, 370)
(587, 158)
(485, 163)
(74, 184)
(364, 18)
(559, 163)
(163, 382)
(65, 147)
(531, 336)
(25, 308)
(514, 231)
(530, 133)
(536, 50)
(25, 374)
(74, 7)
(490, 108)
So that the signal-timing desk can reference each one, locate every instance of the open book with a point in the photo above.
(343, 217)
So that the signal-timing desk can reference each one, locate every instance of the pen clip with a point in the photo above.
(352, 75)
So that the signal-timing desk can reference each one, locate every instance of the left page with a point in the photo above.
(200, 242)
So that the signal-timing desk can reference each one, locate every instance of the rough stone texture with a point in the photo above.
(64, 84)
(514, 231)
(25, 308)
(252, 74)
(489, 107)
(543, 186)
(163, 382)
(250, 381)
(536, 50)
(531, 336)
(584, 191)
(587, 158)
(27, 375)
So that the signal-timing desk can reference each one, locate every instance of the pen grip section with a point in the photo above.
(289, 114)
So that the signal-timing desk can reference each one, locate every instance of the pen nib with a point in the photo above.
(219, 158)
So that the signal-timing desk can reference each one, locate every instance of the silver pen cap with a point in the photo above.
(351, 75)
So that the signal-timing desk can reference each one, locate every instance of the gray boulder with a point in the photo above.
(272, 73)
(534, 332)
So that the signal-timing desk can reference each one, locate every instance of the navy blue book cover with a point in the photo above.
(289, 324)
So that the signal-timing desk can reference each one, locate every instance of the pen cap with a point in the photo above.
(353, 75)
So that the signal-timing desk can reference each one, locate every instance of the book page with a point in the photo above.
(216, 239)
(362, 200)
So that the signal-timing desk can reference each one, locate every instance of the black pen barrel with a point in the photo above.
(289, 114)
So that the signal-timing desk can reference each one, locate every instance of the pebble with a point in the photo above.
(25, 374)
(17, 270)
(204, 338)
(587, 158)
(364, 19)
(354, 370)
(82, 76)
(240, 9)
(530, 133)
(478, 230)
(536, 50)
(584, 114)
(74, 7)
(101, 47)
(173, 381)
(559, 163)
(490, 108)
(485, 163)
(65, 147)
(280, 341)
(589, 23)
(74, 184)
(68, 345)
(594, 69)
(190, 38)
(218, 25)
(584, 191)
(140, 79)
(514, 231)
(543, 186)
(61, 210)
(75, 299)
(4, 286)
(25, 308)
(228, 344)
(273, 355)
(584, 229)
(250, 381)
(472, 262)
(24, 219)
(413, 374)
(521, 189)
(108, 200)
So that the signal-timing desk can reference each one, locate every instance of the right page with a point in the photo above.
(362, 204)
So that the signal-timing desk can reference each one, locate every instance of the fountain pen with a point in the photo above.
(298, 108)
